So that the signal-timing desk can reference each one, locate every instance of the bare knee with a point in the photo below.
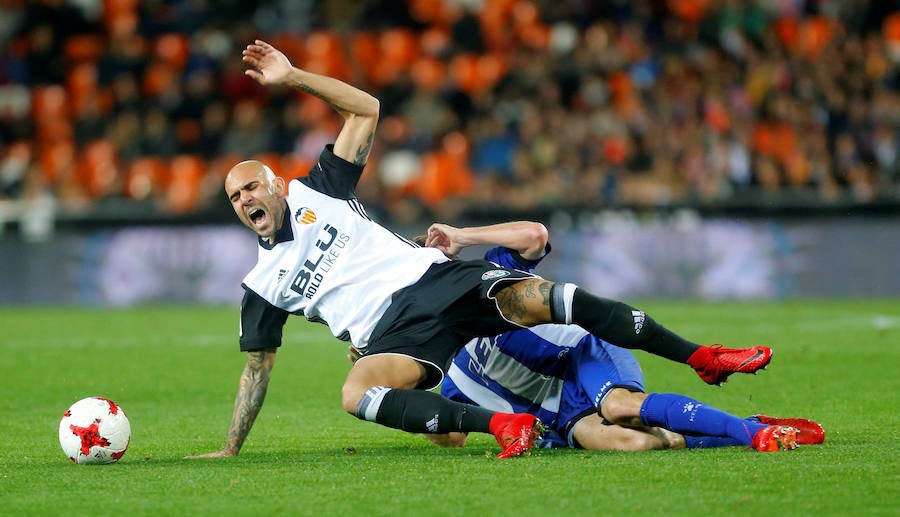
(388, 370)
(623, 407)
(351, 394)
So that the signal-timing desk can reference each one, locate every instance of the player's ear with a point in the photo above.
(278, 186)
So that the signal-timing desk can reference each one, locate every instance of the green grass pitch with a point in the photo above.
(175, 369)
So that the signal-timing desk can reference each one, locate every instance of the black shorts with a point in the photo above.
(433, 318)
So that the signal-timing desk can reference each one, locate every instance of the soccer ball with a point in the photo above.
(94, 430)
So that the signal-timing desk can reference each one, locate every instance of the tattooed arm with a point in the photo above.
(359, 109)
(249, 400)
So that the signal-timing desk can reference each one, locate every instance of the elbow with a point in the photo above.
(373, 107)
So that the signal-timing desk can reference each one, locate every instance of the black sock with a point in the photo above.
(418, 411)
(627, 327)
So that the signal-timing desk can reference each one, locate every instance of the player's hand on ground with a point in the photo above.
(270, 66)
(218, 454)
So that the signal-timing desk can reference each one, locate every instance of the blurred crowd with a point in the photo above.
(512, 104)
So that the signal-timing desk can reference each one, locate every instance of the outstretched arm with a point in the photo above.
(359, 109)
(528, 238)
(249, 400)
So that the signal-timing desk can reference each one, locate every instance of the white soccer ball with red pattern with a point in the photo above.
(94, 430)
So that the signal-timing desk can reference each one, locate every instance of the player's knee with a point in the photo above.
(351, 394)
(623, 407)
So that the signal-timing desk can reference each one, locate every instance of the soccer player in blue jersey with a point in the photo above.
(578, 384)
(408, 309)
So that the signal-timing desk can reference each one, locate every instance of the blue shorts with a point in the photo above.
(595, 368)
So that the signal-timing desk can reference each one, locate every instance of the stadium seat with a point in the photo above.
(49, 102)
(429, 12)
(294, 166)
(186, 173)
(56, 160)
(81, 85)
(157, 77)
(98, 169)
(444, 172)
(324, 54)
(428, 73)
(474, 74)
(434, 41)
(83, 48)
(146, 178)
(172, 49)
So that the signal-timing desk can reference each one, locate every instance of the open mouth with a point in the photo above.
(257, 215)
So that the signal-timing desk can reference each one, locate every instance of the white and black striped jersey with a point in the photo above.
(330, 262)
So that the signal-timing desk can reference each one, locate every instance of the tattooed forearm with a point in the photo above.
(251, 394)
(362, 154)
(526, 302)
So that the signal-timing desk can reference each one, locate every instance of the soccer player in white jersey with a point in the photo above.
(589, 393)
(407, 309)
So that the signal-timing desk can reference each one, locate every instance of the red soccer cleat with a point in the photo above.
(715, 363)
(515, 432)
(808, 432)
(775, 438)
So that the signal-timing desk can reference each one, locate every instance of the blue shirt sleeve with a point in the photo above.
(510, 258)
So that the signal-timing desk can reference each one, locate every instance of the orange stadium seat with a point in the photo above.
(815, 33)
(398, 47)
(82, 48)
(290, 45)
(273, 160)
(444, 172)
(120, 16)
(186, 173)
(81, 85)
(474, 73)
(146, 178)
(364, 54)
(56, 160)
(98, 168)
(429, 12)
(428, 73)
(294, 166)
(434, 41)
(49, 102)
(325, 55)
(157, 77)
(173, 49)
(495, 17)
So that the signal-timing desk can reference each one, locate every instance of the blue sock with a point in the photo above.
(706, 442)
(687, 416)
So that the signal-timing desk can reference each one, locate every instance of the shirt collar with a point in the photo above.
(284, 234)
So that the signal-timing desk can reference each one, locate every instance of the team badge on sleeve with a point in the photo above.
(494, 273)
(305, 215)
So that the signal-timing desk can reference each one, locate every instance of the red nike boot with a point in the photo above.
(775, 438)
(715, 363)
(808, 432)
(515, 432)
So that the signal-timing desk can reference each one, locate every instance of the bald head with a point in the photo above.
(257, 196)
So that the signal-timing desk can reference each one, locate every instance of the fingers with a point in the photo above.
(255, 75)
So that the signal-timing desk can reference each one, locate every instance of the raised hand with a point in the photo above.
(270, 65)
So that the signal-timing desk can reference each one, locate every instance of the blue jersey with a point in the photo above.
(558, 373)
